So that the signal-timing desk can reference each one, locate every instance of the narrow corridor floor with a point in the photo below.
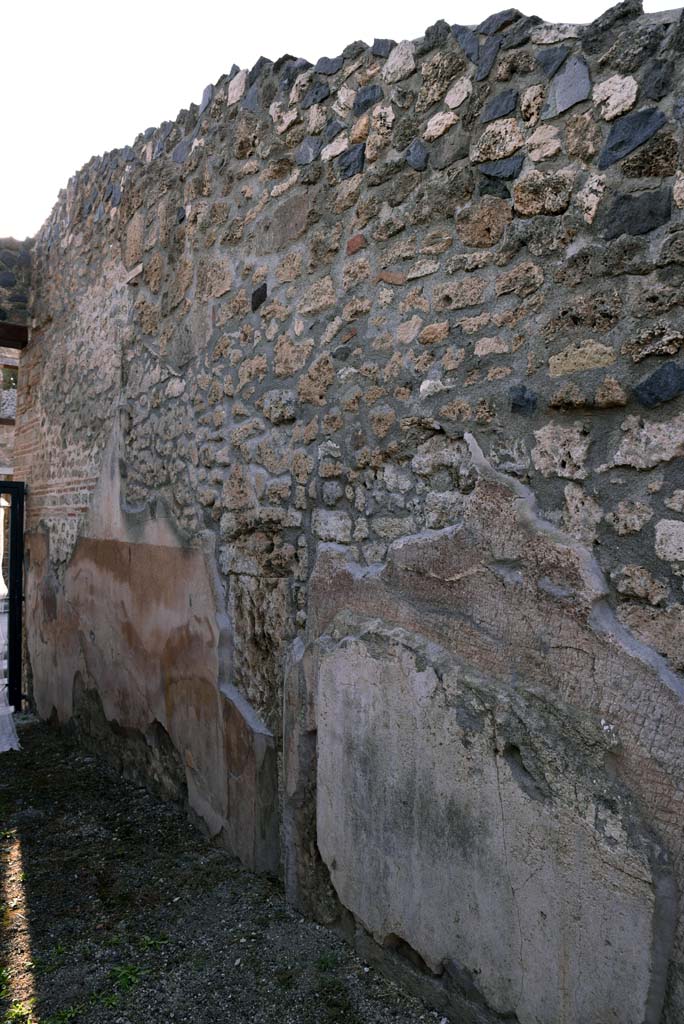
(114, 910)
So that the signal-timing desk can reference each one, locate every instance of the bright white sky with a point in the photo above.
(78, 77)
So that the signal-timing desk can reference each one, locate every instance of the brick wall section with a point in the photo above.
(54, 494)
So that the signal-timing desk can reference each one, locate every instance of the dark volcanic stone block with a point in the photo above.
(597, 37)
(251, 99)
(261, 65)
(182, 151)
(332, 130)
(367, 96)
(664, 384)
(308, 150)
(351, 161)
(318, 92)
(487, 57)
(417, 155)
(551, 58)
(354, 50)
(207, 97)
(657, 79)
(287, 58)
(507, 168)
(571, 85)
(520, 33)
(329, 65)
(638, 214)
(500, 106)
(495, 22)
(468, 42)
(434, 36)
(629, 132)
(382, 47)
(259, 296)
(291, 70)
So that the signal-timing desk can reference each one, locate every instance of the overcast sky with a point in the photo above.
(78, 78)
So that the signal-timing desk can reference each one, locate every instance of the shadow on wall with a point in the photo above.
(110, 904)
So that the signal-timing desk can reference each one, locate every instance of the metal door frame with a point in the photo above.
(15, 615)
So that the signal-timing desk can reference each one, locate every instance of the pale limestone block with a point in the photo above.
(616, 95)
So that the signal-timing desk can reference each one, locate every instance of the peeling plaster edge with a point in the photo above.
(231, 693)
(602, 619)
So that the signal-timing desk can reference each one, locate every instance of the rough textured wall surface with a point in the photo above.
(9, 359)
(15, 269)
(353, 426)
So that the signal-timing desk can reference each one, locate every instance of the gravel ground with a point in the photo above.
(114, 910)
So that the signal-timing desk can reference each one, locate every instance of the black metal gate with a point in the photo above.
(12, 598)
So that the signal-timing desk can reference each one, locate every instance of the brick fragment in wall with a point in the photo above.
(260, 336)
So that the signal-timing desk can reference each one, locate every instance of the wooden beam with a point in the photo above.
(13, 335)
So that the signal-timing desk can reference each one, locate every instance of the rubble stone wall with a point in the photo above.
(353, 426)
(15, 272)
(15, 269)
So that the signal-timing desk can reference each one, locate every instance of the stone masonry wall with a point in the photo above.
(15, 268)
(353, 426)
